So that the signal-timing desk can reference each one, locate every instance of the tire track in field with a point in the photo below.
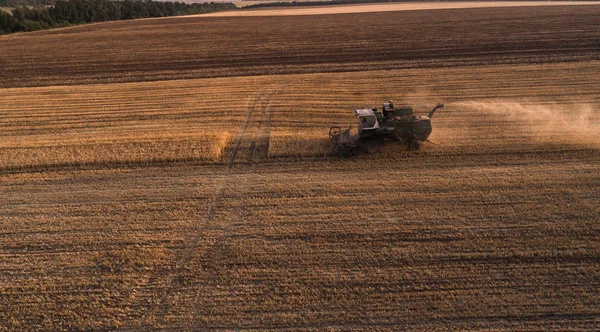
(155, 318)
(258, 152)
(259, 148)
(178, 278)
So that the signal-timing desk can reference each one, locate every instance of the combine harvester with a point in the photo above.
(376, 127)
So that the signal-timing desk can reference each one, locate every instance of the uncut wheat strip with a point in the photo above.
(207, 148)
(143, 133)
(298, 144)
(119, 122)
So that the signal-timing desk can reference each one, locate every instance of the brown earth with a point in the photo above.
(176, 48)
(209, 203)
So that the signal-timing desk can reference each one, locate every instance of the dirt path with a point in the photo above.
(388, 7)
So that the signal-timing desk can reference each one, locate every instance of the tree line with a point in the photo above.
(65, 13)
(19, 3)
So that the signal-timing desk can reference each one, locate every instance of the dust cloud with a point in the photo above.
(550, 123)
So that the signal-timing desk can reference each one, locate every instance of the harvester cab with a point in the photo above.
(368, 121)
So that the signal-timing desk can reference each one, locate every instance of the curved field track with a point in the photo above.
(132, 200)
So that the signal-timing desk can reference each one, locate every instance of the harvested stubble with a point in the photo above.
(491, 229)
(488, 217)
(183, 47)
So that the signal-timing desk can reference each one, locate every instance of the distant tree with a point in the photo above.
(32, 3)
(7, 22)
(66, 12)
(18, 14)
(140, 9)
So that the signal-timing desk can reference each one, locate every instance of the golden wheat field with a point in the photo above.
(175, 174)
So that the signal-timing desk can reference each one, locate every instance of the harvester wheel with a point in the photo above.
(413, 145)
(344, 151)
